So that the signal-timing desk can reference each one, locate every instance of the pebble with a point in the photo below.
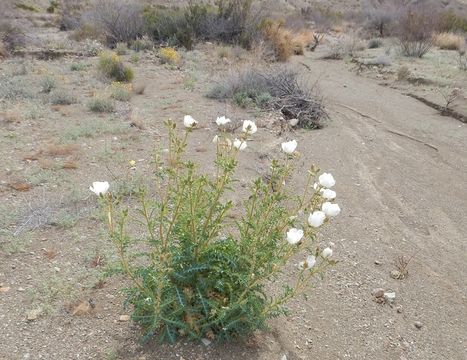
(418, 324)
(377, 262)
(33, 314)
(378, 292)
(206, 342)
(124, 318)
(389, 296)
(395, 274)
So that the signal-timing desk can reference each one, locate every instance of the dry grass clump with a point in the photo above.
(449, 41)
(101, 104)
(121, 91)
(282, 88)
(403, 73)
(284, 42)
(60, 149)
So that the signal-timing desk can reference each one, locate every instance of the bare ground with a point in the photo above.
(402, 184)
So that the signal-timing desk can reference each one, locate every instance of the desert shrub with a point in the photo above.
(228, 21)
(347, 45)
(53, 5)
(403, 73)
(414, 31)
(169, 55)
(324, 18)
(92, 47)
(62, 97)
(121, 48)
(143, 43)
(195, 273)
(381, 17)
(112, 67)
(283, 42)
(101, 104)
(48, 83)
(449, 41)
(121, 91)
(15, 88)
(451, 21)
(11, 36)
(119, 20)
(78, 67)
(285, 88)
(70, 14)
(382, 60)
(375, 43)
(462, 60)
(135, 57)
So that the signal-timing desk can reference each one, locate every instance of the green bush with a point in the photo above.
(78, 67)
(48, 84)
(101, 105)
(196, 273)
(112, 67)
(121, 92)
(62, 97)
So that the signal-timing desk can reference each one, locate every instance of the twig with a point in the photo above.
(412, 138)
(360, 113)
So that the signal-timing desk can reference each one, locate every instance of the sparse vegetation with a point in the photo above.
(375, 43)
(169, 55)
(121, 91)
(283, 88)
(48, 83)
(112, 67)
(101, 104)
(62, 97)
(449, 41)
(414, 31)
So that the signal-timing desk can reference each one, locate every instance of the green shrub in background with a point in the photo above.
(111, 66)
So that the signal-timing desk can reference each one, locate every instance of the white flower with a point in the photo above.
(326, 253)
(308, 263)
(249, 127)
(294, 236)
(327, 180)
(239, 144)
(289, 146)
(220, 121)
(328, 194)
(316, 219)
(99, 187)
(189, 122)
(330, 209)
(315, 186)
(216, 139)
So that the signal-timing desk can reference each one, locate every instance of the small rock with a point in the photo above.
(389, 296)
(377, 262)
(418, 324)
(377, 293)
(20, 289)
(57, 269)
(4, 289)
(293, 122)
(33, 314)
(399, 309)
(124, 318)
(284, 357)
(206, 342)
(396, 274)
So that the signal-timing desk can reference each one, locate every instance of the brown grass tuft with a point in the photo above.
(449, 41)
(70, 165)
(61, 150)
(11, 117)
(21, 186)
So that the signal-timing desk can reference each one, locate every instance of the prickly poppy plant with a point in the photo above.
(193, 270)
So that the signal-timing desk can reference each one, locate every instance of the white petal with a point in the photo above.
(316, 219)
(239, 144)
(326, 253)
(326, 180)
(189, 122)
(249, 127)
(289, 146)
(294, 236)
(328, 194)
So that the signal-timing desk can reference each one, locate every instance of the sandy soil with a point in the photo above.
(402, 184)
